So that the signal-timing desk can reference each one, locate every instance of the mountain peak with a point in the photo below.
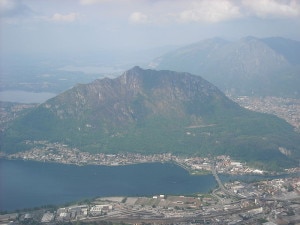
(148, 111)
(249, 66)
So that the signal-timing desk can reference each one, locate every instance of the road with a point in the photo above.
(221, 186)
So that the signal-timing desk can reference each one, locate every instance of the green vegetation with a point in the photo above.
(199, 172)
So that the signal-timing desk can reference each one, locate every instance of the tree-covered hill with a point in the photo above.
(148, 111)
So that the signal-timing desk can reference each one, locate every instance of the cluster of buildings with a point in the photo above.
(222, 164)
(60, 153)
(280, 189)
(285, 108)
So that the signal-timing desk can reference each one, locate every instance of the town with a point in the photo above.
(61, 153)
(285, 108)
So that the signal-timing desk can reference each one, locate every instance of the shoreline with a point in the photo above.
(229, 184)
(46, 151)
(191, 171)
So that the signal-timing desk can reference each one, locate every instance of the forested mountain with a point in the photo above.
(148, 111)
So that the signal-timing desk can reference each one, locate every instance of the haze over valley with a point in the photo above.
(150, 112)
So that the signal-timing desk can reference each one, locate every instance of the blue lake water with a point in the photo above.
(25, 184)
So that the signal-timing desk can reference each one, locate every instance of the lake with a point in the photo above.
(26, 184)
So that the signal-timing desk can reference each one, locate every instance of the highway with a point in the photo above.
(214, 172)
(221, 186)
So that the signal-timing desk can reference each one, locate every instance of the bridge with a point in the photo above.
(214, 172)
(221, 186)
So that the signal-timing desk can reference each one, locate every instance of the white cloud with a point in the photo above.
(273, 8)
(138, 17)
(71, 17)
(210, 11)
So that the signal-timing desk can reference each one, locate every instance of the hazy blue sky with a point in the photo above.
(54, 26)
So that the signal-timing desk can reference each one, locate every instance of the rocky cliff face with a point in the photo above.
(136, 94)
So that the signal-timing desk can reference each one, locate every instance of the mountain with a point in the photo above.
(250, 66)
(148, 111)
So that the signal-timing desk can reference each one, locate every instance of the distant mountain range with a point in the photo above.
(250, 66)
(148, 111)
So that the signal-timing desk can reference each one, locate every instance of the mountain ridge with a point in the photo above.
(147, 111)
(249, 66)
